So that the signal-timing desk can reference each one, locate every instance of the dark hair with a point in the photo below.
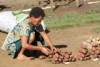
(36, 12)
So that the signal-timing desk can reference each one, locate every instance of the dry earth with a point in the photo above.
(72, 37)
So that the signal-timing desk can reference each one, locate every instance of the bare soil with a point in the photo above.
(70, 37)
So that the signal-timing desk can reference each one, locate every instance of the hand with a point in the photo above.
(53, 49)
(45, 50)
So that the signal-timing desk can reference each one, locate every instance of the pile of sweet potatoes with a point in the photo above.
(59, 56)
(83, 53)
(90, 48)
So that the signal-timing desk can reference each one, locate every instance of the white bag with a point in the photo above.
(7, 21)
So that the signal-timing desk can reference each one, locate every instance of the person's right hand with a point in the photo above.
(45, 50)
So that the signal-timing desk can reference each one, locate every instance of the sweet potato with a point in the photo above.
(98, 48)
(87, 54)
(88, 58)
(81, 55)
(83, 51)
(61, 57)
(92, 52)
(70, 59)
(50, 56)
(98, 56)
(71, 56)
(94, 48)
(60, 60)
(94, 44)
(68, 52)
(97, 52)
(48, 59)
(95, 56)
(84, 59)
(53, 62)
(73, 59)
(79, 58)
(62, 53)
(65, 60)
(67, 56)
(42, 57)
(84, 47)
(55, 57)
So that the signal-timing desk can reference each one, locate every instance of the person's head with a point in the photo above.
(36, 15)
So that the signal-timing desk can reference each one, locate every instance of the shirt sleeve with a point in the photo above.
(25, 30)
(39, 28)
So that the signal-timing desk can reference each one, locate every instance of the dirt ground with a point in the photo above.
(72, 37)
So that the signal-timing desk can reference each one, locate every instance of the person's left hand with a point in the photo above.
(53, 49)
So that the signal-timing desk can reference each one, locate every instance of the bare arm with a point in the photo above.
(26, 45)
(47, 39)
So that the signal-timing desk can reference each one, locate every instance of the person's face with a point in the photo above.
(36, 21)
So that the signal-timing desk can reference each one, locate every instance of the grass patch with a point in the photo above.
(96, 30)
(71, 20)
(93, 11)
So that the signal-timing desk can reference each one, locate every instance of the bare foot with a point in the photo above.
(23, 57)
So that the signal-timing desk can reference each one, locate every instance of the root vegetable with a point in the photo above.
(81, 55)
(97, 52)
(60, 60)
(62, 53)
(53, 62)
(67, 56)
(87, 54)
(70, 59)
(55, 59)
(83, 51)
(94, 48)
(56, 55)
(71, 56)
(65, 60)
(84, 59)
(98, 56)
(42, 57)
(48, 59)
(50, 56)
(57, 62)
(92, 52)
(79, 58)
(84, 47)
(61, 57)
(94, 44)
(68, 52)
(95, 56)
(88, 58)
(73, 59)
(55, 51)
(98, 48)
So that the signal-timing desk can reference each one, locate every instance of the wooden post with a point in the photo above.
(52, 4)
(79, 2)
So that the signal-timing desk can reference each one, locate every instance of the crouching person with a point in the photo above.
(22, 36)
